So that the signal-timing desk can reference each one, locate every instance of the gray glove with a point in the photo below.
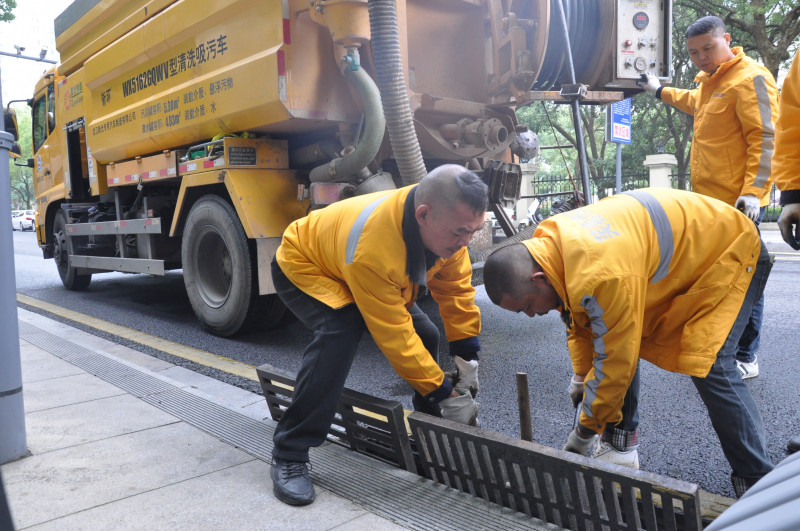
(750, 205)
(462, 409)
(790, 217)
(466, 375)
(649, 82)
(575, 391)
(577, 444)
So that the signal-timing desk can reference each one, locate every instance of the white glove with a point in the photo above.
(750, 205)
(467, 375)
(649, 82)
(575, 390)
(462, 408)
(790, 217)
(577, 444)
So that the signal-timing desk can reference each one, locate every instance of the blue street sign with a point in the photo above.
(620, 122)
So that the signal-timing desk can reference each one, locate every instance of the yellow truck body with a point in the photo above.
(165, 112)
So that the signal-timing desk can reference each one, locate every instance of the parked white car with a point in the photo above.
(22, 221)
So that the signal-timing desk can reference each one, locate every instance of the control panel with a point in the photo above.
(643, 40)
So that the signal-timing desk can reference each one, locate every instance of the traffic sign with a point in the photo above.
(619, 120)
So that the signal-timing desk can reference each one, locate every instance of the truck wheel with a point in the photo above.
(219, 269)
(69, 276)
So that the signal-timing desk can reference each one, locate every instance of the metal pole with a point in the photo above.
(619, 168)
(12, 412)
(525, 428)
(576, 109)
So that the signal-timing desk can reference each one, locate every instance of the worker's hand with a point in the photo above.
(575, 389)
(750, 205)
(461, 408)
(577, 444)
(649, 82)
(466, 377)
(789, 223)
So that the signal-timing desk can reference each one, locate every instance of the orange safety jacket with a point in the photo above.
(656, 274)
(360, 251)
(734, 112)
(786, 162)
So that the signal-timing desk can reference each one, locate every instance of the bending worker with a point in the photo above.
(359, 264)
(638, 276)
(734, 111)
(786, 167)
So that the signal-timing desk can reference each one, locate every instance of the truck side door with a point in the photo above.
(44, 123)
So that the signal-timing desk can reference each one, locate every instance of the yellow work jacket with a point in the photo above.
(734, 113)
(656, 274)
(355, 251)
(786, 163)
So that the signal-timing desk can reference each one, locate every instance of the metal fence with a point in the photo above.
(551, 189)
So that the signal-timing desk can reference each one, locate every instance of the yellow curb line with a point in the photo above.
(201, 357)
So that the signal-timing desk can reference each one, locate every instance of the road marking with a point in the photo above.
(201, 357)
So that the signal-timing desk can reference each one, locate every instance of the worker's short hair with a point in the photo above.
(506, 270)
(452, 184)
(704, 25)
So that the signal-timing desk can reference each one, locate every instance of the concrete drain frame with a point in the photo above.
(564, 489)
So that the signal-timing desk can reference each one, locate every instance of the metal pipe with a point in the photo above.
(350, 166)
(524, 401)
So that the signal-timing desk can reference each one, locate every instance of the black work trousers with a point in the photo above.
(325, 366)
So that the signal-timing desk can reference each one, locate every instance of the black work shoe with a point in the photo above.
(793, 445)
(290, 482)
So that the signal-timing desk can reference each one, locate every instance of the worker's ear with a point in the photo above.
(539, 276)
(422, 213)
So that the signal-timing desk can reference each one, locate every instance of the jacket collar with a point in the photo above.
(738, 55)
(418, 258)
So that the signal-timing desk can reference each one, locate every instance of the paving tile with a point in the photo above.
(84, 422)
(37, 367)
(140, 359)
(221, 392)
(72, 389)
(43, 487)
(239, 497)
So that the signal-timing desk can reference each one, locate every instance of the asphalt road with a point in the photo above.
(676, 436)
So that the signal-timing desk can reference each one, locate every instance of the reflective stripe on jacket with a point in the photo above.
(656, 274)
(353, 251)
(734, 110)
(786, 163)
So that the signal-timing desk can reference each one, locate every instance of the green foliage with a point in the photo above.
(6, 6)
(22, 194)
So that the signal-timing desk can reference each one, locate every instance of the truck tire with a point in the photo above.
(220, 271)
(69, 276)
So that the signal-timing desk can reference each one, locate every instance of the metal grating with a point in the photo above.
(364, 423)
(404, 498)
(565, 489)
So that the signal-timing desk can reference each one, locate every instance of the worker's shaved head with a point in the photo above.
(507, 271)
(448, 185)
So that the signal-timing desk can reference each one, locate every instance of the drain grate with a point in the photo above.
(407, 499)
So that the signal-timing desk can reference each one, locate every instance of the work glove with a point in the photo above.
(575, 391)
(649, 82)
(466, 376)
(750, 205)
(462, 409)
(577, 444)
(790, 217)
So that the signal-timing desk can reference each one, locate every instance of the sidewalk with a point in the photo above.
(121, 440)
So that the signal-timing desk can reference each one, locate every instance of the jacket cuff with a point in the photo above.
(789, 197)
(658, 92)
(467, 348)
(444, 391)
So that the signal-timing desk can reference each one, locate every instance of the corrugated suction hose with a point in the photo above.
(392, 85)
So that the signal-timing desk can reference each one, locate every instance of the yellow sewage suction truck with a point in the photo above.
(187, 134)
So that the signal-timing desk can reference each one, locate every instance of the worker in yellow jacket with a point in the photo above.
(786, 162)
(359, 265)
(786, 168)
(734, 109)
(636, 276)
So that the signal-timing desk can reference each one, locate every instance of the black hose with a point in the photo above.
(392, 85)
